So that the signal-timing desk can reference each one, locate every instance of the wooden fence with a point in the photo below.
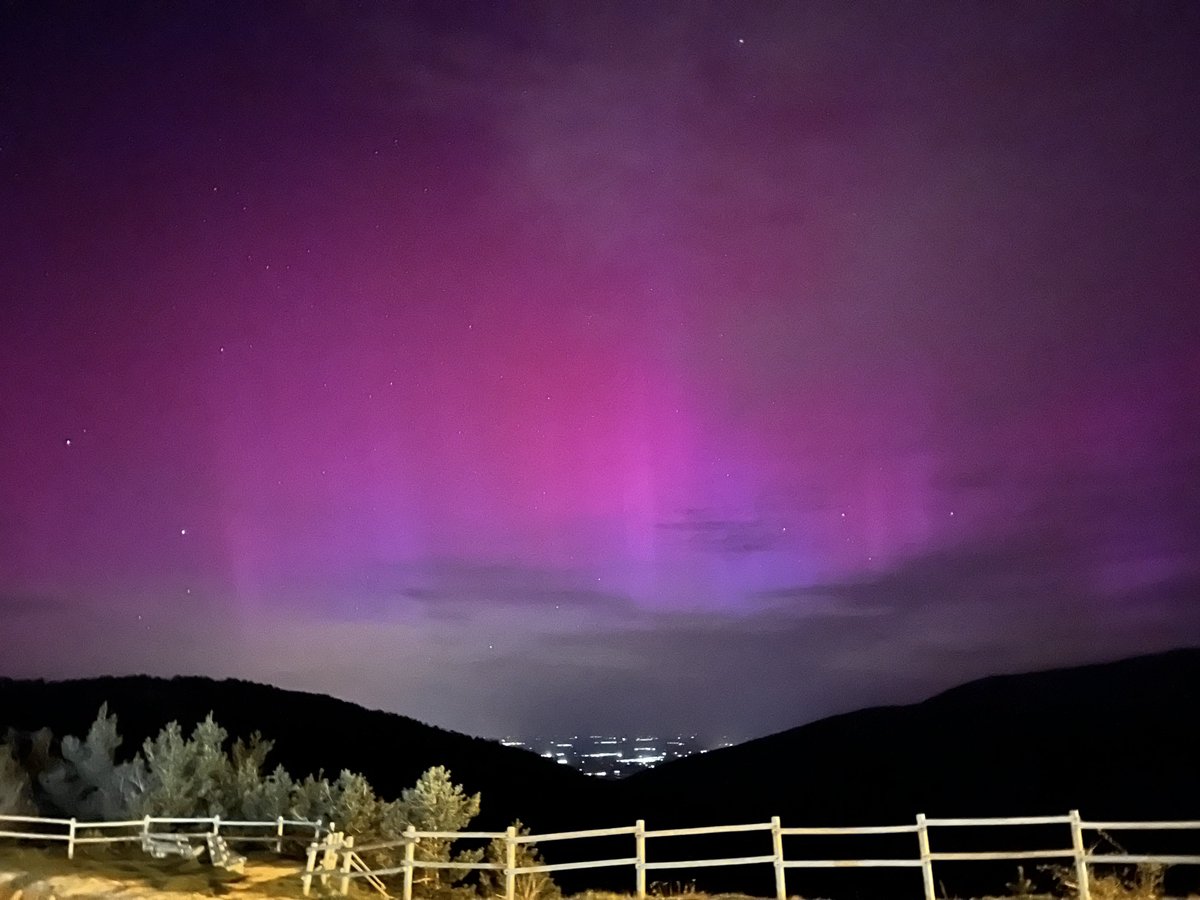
(339, 857)
(343, 860)
(137, 830)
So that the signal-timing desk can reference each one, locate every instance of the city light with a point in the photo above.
(614, 756)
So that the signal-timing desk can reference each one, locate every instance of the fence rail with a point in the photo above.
(569, 835)
(154, 825)
(923, 858)
(331, 853)
(866, 829)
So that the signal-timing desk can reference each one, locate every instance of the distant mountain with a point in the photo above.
(311, 732)
(1116, 741)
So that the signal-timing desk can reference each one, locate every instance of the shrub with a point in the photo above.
(196, 777)
(187, 777)
(1141, 882)
(86, 781)
(528, 886)
(16, 792)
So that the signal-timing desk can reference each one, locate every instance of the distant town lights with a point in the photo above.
(611, 756)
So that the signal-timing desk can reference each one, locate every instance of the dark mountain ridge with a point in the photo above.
(1114, 740)
(1010, 744)
(311, 732)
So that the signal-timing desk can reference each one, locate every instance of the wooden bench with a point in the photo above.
(160, 846)
(221, 856)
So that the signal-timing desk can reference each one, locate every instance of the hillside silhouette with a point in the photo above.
(312, 732)
(1114, 740)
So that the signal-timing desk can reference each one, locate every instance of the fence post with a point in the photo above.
(216, 825)
(145, 832)
(926, 862)
(410, 847)
(71, 840)
(1081, 869)
(777, 849)
(334, 840)
(510, 862)
(279, 835)
(348, 851)
(329, 863)
(640, 836)
(308, 869)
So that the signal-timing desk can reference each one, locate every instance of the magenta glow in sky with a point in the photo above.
(524, 367)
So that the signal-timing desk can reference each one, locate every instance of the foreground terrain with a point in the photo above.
(28, 873)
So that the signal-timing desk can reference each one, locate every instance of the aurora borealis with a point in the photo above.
(519, 366)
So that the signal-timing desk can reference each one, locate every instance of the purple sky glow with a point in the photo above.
(523, 367)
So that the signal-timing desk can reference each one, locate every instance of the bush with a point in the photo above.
(16, 792)
(435, 803)
(528, 886)
(86, 781)
(188, 778)
(196, 777)
(1141, 882)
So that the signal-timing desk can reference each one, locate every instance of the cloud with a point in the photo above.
(707, 530)
(811, 602)
(453, 590)
(809, 651)
(27, 605)
(49, 637)
(510, 649)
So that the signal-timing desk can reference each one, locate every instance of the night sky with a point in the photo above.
(524, 366)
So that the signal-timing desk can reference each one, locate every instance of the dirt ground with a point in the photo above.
(112, 873)
(29, 873)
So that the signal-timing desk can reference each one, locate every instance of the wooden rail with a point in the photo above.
(923, 858)
(333, 847)
(158, 825)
